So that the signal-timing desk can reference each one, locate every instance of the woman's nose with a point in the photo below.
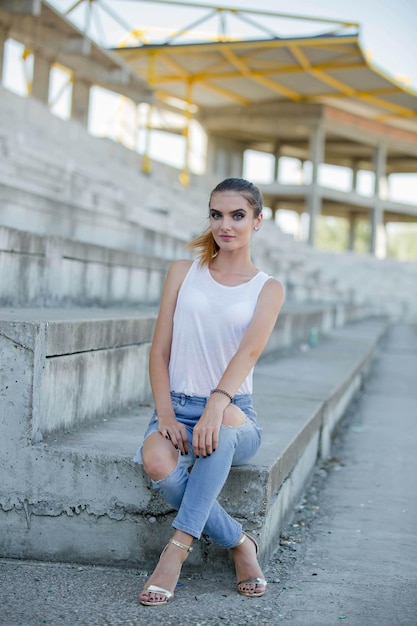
(226, 225)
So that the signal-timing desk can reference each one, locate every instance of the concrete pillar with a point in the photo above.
(80, 101)
(210, 156)
(218, 158)
(355, 170)
(232, 159)
(302, 173)
(378, 235)
(236, 165)
(276, 163)
(313, 199)
(352, 224)
(224, 158)
(41, 74)
(222, 163)
(3, 39)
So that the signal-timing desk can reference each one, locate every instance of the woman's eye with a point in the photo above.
(214, 215)
(239, 216)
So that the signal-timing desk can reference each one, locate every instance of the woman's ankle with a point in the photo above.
(186, 547)
(183, 541)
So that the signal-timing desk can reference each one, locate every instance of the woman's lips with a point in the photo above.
(226, 237)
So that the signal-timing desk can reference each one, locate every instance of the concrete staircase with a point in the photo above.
(56, 179)
(384, 286)
(38, 270)
(74, 405)
(85, 243)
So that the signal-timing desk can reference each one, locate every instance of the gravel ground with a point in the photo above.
(33, 594)
(348, 554)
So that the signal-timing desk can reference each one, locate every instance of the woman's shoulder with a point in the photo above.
(178, 270)
(273, 286)
(180, 267)
(270, 281)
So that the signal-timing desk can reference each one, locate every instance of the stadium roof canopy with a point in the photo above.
(328, 68)
(202, 56)
(233, 70)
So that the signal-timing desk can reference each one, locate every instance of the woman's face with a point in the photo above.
(232, 220)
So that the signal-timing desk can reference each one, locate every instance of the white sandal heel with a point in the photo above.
(155, 588)
(257, 581)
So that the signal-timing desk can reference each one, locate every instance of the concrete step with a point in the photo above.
(31, 198)
(82, 188)
(81, 363)
(37, 270)
(17, 168)
(29, 115)
(383, 284)
(35, 135)
(107, 201)
(82, 216)
(102, 354)
(77, 496)
(52, 271)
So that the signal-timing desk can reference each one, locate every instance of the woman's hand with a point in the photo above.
(174, 432)
(206, 431)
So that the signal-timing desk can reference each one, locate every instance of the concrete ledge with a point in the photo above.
(56, 178)
(78, 496)
(86, 363)
(81, 364)
(37, 270)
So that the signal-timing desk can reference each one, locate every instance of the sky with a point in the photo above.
(387, 34)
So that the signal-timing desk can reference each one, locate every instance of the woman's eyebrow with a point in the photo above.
(232, 212)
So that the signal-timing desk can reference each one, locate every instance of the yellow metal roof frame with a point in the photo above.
(238, 85)
(174, 70)
(224, 69)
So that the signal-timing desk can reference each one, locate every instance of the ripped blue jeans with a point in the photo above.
(193, 492)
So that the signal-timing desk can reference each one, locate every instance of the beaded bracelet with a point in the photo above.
(226, 393)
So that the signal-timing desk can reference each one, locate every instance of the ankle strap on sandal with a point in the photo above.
(242, 538)
(181, 545)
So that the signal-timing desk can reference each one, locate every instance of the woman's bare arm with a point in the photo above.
(160, 354)
(269, 304)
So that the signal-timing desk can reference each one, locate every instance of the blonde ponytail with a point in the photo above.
(205, 246)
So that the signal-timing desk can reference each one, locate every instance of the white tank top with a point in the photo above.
(210, 320)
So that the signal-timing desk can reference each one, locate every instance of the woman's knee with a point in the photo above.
(159, 457)
(233, 416)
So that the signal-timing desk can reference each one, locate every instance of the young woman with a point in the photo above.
(215, 318)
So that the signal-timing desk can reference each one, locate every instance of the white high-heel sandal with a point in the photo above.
(155, 588)
(258, 581)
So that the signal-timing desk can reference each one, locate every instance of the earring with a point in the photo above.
(256, 229)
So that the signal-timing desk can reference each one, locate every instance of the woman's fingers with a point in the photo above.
(215, 440)
(182, 441)
(178, 437)
(204, 442)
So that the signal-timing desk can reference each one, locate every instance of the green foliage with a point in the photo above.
(362, 236)
(333, 234)
(403, 243)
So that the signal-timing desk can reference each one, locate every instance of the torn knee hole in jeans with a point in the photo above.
(235, 425)
(166, 477)
(234, 417)
(179, 468)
